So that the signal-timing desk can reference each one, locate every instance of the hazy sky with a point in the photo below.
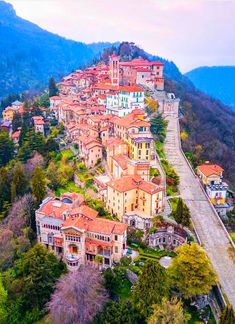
(190, 32)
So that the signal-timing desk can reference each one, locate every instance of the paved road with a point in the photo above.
(210, 231)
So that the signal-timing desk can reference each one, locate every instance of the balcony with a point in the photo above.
(72, 261)
(72, 257)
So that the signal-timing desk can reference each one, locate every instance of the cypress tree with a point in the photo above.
(53, 91)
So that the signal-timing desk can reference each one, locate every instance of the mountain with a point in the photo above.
(216, 81)
(30, 55)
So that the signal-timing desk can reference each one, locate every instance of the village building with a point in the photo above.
(72, 230)
(90, 150)
(130, 194)
(39, 123)
(136, 72)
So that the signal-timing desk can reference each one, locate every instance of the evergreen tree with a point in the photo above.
(6, 148)
(227, 316)
(19, 184)
(38, 184)
(151, 287)
(53, 176)
(5, 191)
(182, 214)
(191, 271)
(118, 313)
(53, 91)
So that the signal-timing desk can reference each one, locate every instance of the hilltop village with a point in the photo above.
(103, 112)
(99, 156)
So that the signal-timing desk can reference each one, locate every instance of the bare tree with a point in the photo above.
(31, 164)
(78, 297)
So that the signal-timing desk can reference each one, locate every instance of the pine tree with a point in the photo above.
(19, 184)
(6, 148)
(38, 184)
(151, 287)
(53, 91)
(227, 316)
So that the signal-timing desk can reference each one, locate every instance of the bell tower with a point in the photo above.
(114, 69)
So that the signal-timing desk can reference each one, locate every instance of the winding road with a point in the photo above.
(211, 232)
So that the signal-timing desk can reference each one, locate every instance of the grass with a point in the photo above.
(70, 187)
(124, 291)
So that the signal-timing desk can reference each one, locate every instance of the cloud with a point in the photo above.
(192, 32)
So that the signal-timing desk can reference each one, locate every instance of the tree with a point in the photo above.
(38, 184)
(53, 176)
(111, 281)
(39, 270)
(227, 316)
(6, 148)
(151, 287)
(78, 297)
(118, 313)
(158, 127)
(191, 271)
(19, 183)
(53, 90)
(169, 311)
(30, 284)
(3, 301)
(182, 213)
(151, 104)
(5, 191)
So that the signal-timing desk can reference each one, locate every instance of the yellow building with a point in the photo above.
(8, 114)
(132, 193)
(136, 132)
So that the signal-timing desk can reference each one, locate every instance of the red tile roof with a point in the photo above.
(209, 169)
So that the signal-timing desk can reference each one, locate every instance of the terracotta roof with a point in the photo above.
(55, 208)
(85, 211)
(107, 227)
(131, 89)
(127, 183)
(121, 160)
(209, 169)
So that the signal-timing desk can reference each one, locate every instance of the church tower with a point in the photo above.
(114, 69)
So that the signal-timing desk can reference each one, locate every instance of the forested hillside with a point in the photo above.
(30, 55)
(216, 81)
(209, 127)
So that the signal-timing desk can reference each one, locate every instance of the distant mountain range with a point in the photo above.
(216, 81)
(30, 55)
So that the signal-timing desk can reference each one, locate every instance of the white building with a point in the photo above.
(124, 100)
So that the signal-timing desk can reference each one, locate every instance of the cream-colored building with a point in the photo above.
(73, 231)
(133, 194)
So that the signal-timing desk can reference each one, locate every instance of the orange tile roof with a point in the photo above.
(131, 89)
(85, 211)
(127, 183)
(107, 227)
(121, 160)
(55, 208)
(209, 169)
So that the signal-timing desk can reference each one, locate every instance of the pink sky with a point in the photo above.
(191, 32)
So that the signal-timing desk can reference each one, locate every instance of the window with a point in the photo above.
(73, 238)
(116, 249)
(116, 237)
